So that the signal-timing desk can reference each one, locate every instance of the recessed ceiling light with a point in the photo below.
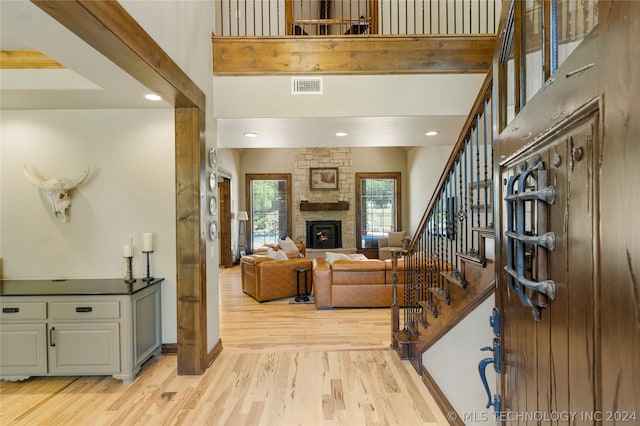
(341, 134)
(153, 97)
(250, 134)
(431, 133)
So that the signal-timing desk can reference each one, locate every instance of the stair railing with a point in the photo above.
(459, 210)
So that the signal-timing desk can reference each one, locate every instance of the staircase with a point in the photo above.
(448, 266)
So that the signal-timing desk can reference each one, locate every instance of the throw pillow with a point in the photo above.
(332, 257)
(276, 254)
(288, 245)
(395, 238)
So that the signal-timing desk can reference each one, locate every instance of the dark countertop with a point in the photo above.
(75, 287)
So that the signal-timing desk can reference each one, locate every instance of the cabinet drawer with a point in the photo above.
(23, 311)
(84, 310)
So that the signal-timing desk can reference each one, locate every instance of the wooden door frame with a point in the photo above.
(267, 176)
(110, 30)
(224, 197)
(373, 252)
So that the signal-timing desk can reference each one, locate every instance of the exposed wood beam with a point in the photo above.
(25, 59)
(352, 55)
(108, 28)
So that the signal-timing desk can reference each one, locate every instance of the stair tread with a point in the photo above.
(401, 336)
(430, 307)
(454, 277)
(472, 257)
(485, 231)
(441, 294)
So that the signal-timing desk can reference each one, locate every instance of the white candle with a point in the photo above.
(127, 251)
(147, 242)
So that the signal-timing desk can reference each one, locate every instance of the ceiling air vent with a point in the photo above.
(306, 85)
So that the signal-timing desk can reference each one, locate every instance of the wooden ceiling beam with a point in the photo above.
(352, 55)
(109, 29)
(26, 59)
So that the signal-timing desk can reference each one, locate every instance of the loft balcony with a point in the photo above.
(280, 37)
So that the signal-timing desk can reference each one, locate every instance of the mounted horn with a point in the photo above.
(58, 190)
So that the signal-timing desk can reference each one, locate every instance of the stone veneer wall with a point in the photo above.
(324, 157)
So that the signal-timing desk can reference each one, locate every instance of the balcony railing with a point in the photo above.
(263, 18)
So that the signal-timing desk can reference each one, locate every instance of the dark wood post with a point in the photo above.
(395, 309)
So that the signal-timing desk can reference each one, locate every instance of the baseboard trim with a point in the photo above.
(445, 406)
(214, 353)
(172, 349)
(169, 349)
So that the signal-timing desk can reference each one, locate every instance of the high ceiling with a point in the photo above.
(373, 110)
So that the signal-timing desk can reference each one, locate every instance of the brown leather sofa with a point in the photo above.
(266, 279)
(355, 283)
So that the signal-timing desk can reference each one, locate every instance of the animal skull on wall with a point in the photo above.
(58, 190)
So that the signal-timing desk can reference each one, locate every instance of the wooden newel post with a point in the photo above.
(395, 309)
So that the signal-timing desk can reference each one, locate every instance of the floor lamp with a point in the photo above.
(243, 217)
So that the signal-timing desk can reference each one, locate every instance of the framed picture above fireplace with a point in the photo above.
(323, 178)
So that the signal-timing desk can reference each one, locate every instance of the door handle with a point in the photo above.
(51, 342)
(482, 370)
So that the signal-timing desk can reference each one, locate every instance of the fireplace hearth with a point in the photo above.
(324, 234)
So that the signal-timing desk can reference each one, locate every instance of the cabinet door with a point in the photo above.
(23, 350)
(146, 326)
(86, 348)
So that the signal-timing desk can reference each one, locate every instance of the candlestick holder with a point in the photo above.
(128, 278)
(148, 278)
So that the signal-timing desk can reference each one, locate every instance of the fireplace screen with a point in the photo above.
(324, 234)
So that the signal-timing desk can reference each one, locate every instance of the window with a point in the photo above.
(269, 207)
(537, 38)
(571, 21)
(377, 207)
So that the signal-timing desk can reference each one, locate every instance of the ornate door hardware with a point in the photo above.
(527, 240)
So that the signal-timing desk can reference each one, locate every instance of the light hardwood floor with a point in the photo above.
(282, 364)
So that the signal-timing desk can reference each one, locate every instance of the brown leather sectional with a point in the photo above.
(355, 283)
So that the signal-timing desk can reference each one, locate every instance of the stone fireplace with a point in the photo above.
(335, 157)
(324, 234)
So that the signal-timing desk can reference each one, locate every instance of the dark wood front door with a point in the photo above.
(549, 335)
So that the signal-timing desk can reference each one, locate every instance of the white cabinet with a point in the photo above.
(102, 334)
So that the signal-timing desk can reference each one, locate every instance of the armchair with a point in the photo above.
(393, 240)
(264, 278)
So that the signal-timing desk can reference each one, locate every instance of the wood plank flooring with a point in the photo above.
(282, 364)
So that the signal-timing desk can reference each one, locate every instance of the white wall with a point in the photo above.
(453, 364)
(130, 190)
(348, 96)
(425, 165)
